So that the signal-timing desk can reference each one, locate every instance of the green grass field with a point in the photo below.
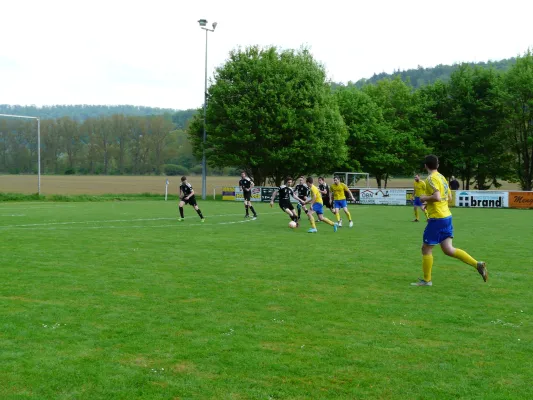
(117, 300)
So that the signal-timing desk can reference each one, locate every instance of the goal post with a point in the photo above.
(351, 179)
(38, 145)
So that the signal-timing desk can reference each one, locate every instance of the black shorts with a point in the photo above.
(191, 201)
(247, 195)
(326, 202)
(286, 205)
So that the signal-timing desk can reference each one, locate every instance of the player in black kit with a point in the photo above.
(323, 187)
(246, 185)
(302, 191)
(187, 197)
(285, 193)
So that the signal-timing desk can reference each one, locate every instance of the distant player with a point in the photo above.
(285, 193)
(439, 229)
(339, 191)
(187, 197)
(246, 185)
(420, 190)
(326, 195)
(302, 191)
(317, 207)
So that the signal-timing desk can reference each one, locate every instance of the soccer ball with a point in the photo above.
(292, 224)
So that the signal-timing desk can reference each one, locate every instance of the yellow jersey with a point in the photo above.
(438, 209)
(338, 191)
(315, 192)
(420, 188)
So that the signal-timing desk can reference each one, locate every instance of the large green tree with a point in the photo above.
(370, 139)
(404, 116)
(475, 121)
(518, 95)
(272, 114)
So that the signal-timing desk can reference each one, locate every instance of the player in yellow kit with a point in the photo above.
(316, 206)
(338, 190)
(439, 229)
(420, 189)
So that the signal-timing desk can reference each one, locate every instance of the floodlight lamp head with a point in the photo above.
(202, 22)
(214, 25)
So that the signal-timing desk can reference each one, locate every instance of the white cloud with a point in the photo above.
(152, 53)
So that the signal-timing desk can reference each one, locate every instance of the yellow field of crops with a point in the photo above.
(72, 184)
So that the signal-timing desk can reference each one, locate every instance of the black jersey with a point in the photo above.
(302, 191)
(246, 183)
(285, 193)
(322, 187)
(186, 189)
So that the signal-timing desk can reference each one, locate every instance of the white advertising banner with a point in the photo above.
(481, 199)
(256, 194)
(391, 197)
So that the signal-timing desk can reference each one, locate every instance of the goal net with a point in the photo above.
(354, 179)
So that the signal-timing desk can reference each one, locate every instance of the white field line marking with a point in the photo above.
(36, 208)
(12, 215)
(122, 220)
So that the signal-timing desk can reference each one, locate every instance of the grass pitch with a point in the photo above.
(118, 300)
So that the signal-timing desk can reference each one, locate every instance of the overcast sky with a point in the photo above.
(151, 52)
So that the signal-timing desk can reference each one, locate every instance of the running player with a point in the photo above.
(187, 197)
(439, 229)
(326, 195)
(285, 194)
(317, 206)
(339, 190)
(302, 191)
(246, 185)
(420, 189)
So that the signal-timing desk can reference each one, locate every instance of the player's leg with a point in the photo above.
(431, 238)
(181, 204)
(427, 265)
(324, 219)
(416, 214)
(337, 209)
(252, 209)
(198, 211)
(289, 210)
(312, 221)
(449, 250)
(348, 215)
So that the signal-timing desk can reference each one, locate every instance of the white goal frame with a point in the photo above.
(38, 146)
(351, 178)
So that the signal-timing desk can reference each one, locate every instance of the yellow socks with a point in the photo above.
(338, 216)
(327, 221)
(465, 257)
(427, 264)
(416, 213)
(349, 215)
(312, 220)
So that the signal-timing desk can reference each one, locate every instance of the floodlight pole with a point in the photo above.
(38, 146)
(203, 24)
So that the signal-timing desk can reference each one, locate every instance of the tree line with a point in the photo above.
(273, 113)
(116, 144)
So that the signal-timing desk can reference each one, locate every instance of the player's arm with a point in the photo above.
(312, 199)
(251, 184)
(190, 194)
(295, 197)
(347, 189)
(435, 197)
(273, 197)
